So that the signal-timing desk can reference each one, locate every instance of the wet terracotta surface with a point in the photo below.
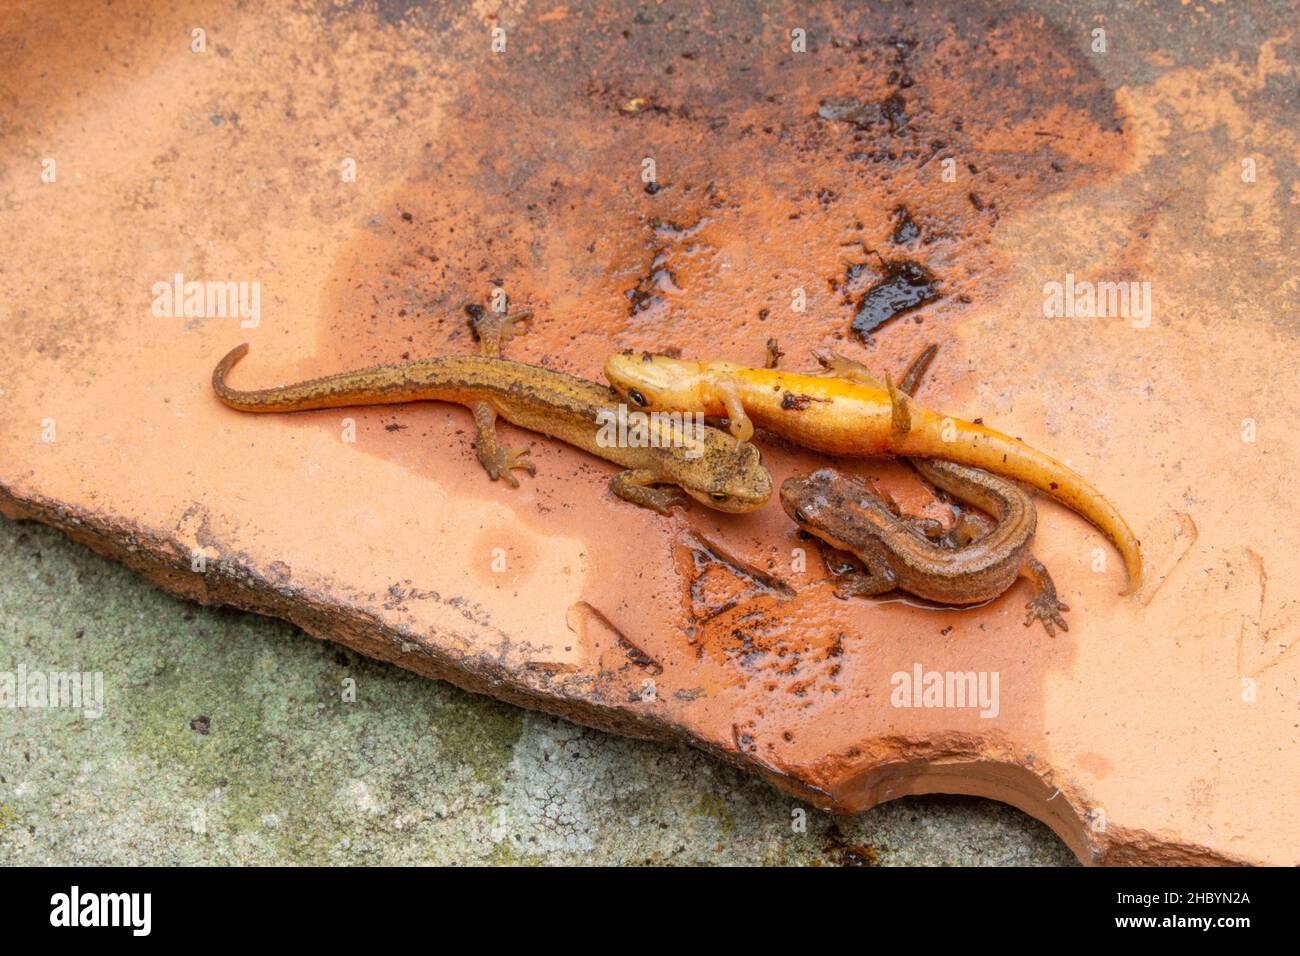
(1159, 729)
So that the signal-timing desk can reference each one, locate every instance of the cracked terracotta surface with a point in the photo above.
(1159, 729)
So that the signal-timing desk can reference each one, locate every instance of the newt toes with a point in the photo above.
(705, 463)
(843, 417)
(492, 329)
(498, 462)
(1045, 606)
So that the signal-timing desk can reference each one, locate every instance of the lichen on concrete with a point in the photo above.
(229, 738)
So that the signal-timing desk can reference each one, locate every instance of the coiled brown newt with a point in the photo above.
(705, 463)
(970, 563)
(973, 565)
(833, 414)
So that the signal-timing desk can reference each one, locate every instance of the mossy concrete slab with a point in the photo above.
(230, 738)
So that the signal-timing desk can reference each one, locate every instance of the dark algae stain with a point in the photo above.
(830, 158)
(906, 286)
(839, 851)
(894, 111)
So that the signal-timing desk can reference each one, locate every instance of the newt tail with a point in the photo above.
(842, 417)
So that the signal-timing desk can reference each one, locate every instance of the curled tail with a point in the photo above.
(971, 444)
(333, 391)
(230, 396)
(377, 385)
(282, 399)
(1009, 456)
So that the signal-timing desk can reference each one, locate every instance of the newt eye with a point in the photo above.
(637, 397)
(718, 496)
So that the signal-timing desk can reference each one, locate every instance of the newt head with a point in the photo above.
(817, 504)
(728, 475)
(659, 382)
(680, 385)
(804, 498)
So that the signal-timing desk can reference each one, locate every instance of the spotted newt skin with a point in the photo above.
(842, 417)
(970, 563)
(722, 473)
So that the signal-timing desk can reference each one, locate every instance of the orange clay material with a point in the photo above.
(840, 417)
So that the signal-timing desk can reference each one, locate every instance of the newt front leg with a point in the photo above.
(498, 462)
(637, 485)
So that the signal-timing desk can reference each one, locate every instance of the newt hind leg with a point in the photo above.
(494, 329)
(1044, 606)
(969, 528)
(835, 365)
(498, 462)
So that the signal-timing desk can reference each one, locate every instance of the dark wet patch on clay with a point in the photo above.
(717, 581)
(767, 173)
(906, 286)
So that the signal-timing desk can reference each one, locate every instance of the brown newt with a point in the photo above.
(974, 565)
(703, 462)
(843, 417)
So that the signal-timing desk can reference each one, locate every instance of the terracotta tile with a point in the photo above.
(1162, 731)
